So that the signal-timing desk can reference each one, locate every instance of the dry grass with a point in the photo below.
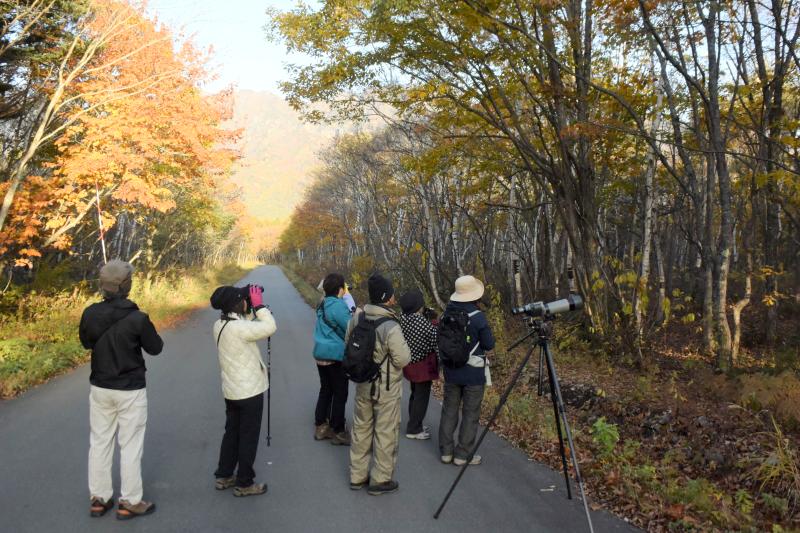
(310, 294)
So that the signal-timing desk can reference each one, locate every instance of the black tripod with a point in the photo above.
(542, 329)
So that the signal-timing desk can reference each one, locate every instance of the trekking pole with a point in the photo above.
(269, 386)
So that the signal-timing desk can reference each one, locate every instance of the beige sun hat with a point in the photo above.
(468, 289)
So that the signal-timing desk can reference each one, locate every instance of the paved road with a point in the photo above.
(44, 440)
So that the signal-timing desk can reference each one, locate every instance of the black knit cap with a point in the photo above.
(226, 298)
(380, 289)
(412, 301)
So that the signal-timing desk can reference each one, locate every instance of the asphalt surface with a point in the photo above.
(44, 438)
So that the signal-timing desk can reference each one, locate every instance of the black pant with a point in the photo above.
(333, 389)
(240, 443)
(418, 406)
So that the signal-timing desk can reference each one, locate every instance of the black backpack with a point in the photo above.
(359, 355)
(453, 339)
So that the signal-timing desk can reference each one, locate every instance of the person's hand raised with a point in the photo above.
(256, 295)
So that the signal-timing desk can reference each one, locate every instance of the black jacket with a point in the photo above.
(116, 331)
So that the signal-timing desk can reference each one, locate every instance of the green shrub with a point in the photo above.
(605, 437)
(696, 492)
(775, 504)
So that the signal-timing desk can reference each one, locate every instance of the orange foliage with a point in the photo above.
(150, 134)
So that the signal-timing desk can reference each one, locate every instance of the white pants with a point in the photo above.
(124, 413)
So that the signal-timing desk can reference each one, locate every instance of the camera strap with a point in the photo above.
(227, 321)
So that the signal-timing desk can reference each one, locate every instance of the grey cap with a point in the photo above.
(116, 278)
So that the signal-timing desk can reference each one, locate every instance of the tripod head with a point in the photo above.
(541, 326)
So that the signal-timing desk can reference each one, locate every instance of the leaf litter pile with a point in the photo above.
(673, 447)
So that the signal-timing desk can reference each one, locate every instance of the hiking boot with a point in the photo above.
(383, 488)
(99, 507)
(323, 432)
(447, 459)
(422, 435)
(126, 511)
(359, 485)
(223, 483)
(341, 439)
(253, 490)
(476, 460)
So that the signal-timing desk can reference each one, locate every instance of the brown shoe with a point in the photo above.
(341, 439)
(323, 432)
(126, 511)
(253, 490)
(223, 483)
(99, 506)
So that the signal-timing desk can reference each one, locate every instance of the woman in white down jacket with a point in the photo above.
(244, 380)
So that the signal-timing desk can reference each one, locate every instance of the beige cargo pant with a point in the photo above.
(376, 431)
(121, 414)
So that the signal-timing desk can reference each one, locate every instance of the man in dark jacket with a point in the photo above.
(116, 332)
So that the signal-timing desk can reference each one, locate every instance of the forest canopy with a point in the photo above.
(649, 147)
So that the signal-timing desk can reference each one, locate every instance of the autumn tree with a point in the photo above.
(630, 129)
(125, 151)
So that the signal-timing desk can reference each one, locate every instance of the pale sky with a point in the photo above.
(235, 29)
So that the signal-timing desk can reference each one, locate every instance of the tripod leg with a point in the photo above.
(501, 403)
(556, 417)
(559, 402)
(540, 385)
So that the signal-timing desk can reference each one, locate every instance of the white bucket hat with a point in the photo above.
(468, 289)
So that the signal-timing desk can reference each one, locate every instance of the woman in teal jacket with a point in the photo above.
(332, 318)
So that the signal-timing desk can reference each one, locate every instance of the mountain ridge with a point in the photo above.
(279, 153)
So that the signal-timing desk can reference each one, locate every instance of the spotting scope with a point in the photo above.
(537, 309)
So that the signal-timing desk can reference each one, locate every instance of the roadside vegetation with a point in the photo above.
(307, 291)
(39, 326)
(674, 446)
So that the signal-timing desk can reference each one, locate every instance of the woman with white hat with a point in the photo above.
(464, 385)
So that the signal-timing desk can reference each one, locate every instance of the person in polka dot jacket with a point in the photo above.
(420, 335)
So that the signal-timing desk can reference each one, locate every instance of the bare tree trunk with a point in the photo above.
(737, 310)
(431, 249)
(513, 265)
(642, 285)
(662, 292)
